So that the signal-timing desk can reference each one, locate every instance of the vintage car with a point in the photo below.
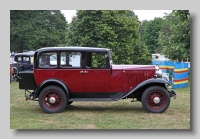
(23, 62)
(88, 74)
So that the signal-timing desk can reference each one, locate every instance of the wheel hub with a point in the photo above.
(156, 100)
(52, 100)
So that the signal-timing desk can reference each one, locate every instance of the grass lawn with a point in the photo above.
(122, 114)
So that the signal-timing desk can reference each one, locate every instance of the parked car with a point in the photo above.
(92, 76)
(22, 62)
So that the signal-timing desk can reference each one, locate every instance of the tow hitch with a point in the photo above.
(28, 96)
(172, 94)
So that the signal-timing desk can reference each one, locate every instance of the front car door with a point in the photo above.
(96, 73)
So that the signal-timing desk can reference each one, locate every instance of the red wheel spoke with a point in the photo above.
(55, 96)
(156, 94)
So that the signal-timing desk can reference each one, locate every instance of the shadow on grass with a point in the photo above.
(83, 108)
(91, 107)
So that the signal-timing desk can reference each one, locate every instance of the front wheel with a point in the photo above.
(155, 99)
(52, 99)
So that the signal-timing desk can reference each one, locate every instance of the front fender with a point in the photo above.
(53, 82)
(146, 82)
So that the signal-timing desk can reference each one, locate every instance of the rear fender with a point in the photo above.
(51, 82)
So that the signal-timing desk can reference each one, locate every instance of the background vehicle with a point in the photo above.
(22, 62)
(90, 75)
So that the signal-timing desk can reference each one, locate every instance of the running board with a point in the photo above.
(91, 99)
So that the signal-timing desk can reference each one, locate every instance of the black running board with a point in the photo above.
(92, 99)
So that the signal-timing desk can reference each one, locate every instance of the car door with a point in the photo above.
(96, 73)
(71, 70)
(45, 70)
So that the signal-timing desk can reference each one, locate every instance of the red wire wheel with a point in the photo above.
(52, 99)
(155, 99)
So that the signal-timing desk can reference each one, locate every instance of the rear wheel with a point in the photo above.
(155, 99)
(52, 99)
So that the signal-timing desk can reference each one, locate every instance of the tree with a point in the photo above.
(141, 54)
(175, 36)
(131, 13)
(142, 28)
(164, 39)
(33, 29)
(113, 29)
(151, 34)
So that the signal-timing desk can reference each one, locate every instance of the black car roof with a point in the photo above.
(73, 48)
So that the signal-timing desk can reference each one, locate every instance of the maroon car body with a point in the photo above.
(88, 74)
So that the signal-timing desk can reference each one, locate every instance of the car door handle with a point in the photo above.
(81, 72)
(85, 71)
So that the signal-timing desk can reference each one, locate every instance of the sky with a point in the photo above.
(142, 14)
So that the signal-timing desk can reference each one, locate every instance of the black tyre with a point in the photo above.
(52, 99)
(155, 99)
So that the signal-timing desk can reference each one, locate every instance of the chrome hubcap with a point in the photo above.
(156, 100)
(52, 100)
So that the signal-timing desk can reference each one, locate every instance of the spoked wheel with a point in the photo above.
(155, 99)
(52, 99)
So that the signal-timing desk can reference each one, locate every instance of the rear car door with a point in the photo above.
(71, 70)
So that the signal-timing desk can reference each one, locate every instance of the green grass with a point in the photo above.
(122, 114)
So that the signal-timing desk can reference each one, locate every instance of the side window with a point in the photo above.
(19, 59)
(48, 60)
(70, 59)
(26, 59)
(32, 58)
(96, 60)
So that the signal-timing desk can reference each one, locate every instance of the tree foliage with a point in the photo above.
(141, 54)
(114, 29)
(141, 29)
(174, 37)
(131, 41)
(33, 29)
(151, 34)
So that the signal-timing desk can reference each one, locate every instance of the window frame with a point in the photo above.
(107, 66)
(49, 66)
